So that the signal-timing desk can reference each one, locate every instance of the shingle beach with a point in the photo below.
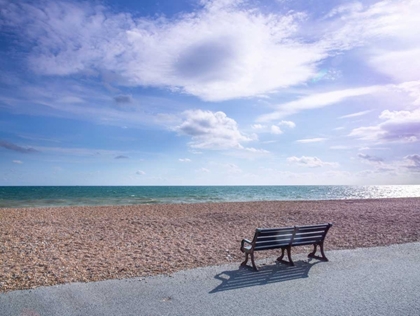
(47, 246)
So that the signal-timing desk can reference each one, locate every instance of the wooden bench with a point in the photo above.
(285, 238)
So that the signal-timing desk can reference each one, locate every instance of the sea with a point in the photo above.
(49, 196)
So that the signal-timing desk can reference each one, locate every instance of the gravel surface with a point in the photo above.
(47, 246)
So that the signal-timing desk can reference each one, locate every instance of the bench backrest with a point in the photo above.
(272, 238)
(308, 235)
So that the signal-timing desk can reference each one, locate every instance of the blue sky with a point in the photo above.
(209, 92)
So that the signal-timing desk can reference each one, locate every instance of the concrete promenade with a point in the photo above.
(370, 281)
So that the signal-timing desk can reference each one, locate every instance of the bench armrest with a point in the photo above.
(243, 243)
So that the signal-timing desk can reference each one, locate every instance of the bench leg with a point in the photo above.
(254, 266)
(323, 257)
(246, 260)
(321, 246)
(289, 250)
(253, 262)
(312, 254)
(280, 259)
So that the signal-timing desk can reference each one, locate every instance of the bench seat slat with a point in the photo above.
(270, 247)
(275, 232)
(288, 235)
(268, 237)
(305, 235)
(312, 229)
(272, 240)
(313, 226)
(312, 240)
(316, 239)
(275, 228)
(302, 243)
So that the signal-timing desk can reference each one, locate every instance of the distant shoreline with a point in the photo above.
(57, 245)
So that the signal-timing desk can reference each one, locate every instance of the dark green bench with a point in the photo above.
(285, 238)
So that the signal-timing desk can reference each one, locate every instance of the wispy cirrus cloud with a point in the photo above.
(357, 114)
(316, 101)
(385, 31)
(413, 162)
(369, 158)
(412, 88)
(311, 162)
(311, 140)
(397, 126)
(17, 148)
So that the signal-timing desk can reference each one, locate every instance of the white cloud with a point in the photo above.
(401, 65)
(140, 172)
(289, 124)
(412, 88)
(371, 159)
(386, 29)
(357, 114)
(346, 8)
(257, 126)
(219, 52)
(315, 101)
(195, 152)
(184, 160)
(212, 130)
(79, 152)
(204, 170)
(223, 50)
(402, 170)
(70, 99)
(257, 151)
(276, 130)
(17, 162)
(340, 147)
(311, 140)
(232, 168)
(413, 162)
(398, 126)
(311, 162)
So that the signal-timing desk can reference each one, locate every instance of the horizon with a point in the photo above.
(209, 93)
(215, 185)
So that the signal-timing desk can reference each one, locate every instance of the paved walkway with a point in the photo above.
(372, 281)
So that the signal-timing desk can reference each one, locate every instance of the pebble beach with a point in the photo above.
(48, 246)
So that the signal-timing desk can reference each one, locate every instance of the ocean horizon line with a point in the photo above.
(39, 196)
(205, 185)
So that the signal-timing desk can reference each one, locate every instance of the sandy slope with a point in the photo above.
(45, 246)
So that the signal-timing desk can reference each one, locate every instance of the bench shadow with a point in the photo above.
(266, 274)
